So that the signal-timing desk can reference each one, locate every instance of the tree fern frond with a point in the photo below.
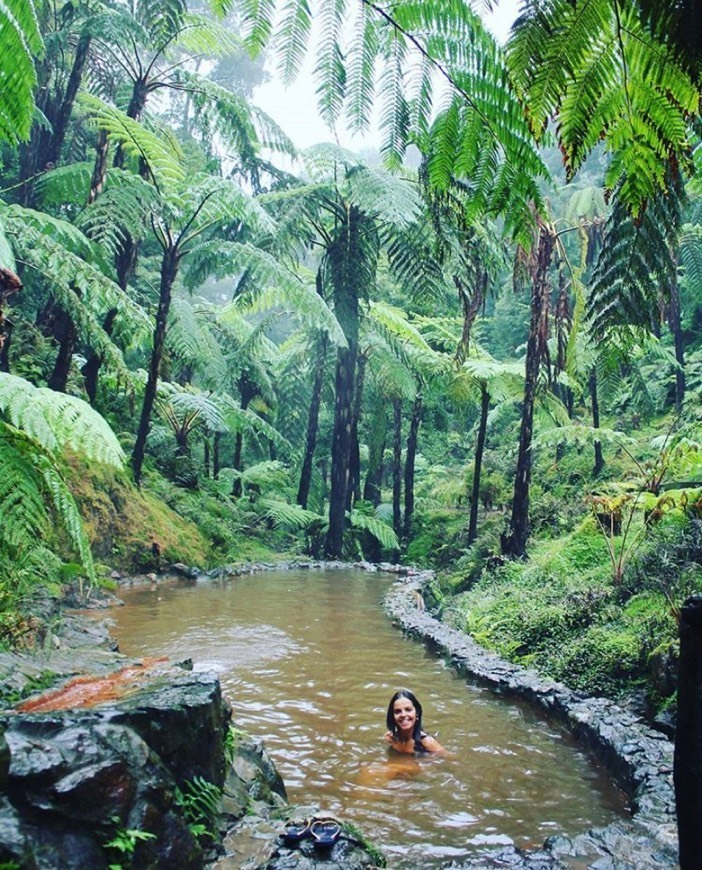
(380, 531)
(57, 420)
(292, 37)
(21, 42)
(329, 70)
(199, 35)
(288, 516)
(162, 19)
(22, 505)
(66, 509)
(271, 284)
(163, 161)
(635, 264)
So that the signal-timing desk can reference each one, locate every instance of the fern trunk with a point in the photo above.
(676, 331)
(376, 451)
(64, 329)
(478, 464)
(514, 543)
(303, 492)
(354, 493)
(344, 258)
(599, 459)
(169, 272)
(397, 466)
(91, 368)
(412, 439)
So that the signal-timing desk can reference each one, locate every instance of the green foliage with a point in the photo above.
(21, 43)
(199, 801)
(124, 843)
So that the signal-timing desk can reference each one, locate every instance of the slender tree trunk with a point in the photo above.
(303, 491)
(66, 333)
(169, 273)
(9, 284)
(514, 543)
(478, 464)
(687, 770)
(97, 180)
(215, 455)
(91, 367)
(354, 491)
(247, 391)
(206, 456)
(376, 451)
(676, 331)
(471, 304)
(347, 253)
(599, 459)
(397, 466)
(412, 439)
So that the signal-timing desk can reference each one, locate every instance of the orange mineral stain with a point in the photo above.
(89, 691)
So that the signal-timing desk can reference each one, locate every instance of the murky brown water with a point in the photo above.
(309, 661)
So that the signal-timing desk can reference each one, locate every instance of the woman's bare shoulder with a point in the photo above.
(431, 744)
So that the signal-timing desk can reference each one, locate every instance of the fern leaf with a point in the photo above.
(57, 420)
(380, 530)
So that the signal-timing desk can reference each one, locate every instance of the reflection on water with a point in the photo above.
(309, 661)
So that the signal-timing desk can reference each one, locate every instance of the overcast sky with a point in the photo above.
(295, 109)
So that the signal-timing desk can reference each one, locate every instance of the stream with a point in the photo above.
(309, 660)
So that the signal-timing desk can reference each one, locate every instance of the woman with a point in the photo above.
(404, 721)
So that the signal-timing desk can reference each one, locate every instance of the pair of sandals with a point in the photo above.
(324, 831)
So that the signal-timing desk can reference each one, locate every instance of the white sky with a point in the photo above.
(295, 109)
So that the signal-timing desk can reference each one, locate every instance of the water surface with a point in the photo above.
(309, 661)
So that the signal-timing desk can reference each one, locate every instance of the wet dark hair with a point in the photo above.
(390, 719)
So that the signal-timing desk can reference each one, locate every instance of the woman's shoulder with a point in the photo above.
(429, 743)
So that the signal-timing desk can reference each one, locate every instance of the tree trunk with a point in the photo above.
(471, 304)
(514, 543)
(97, 180)
(215, 455)
(412, 438)
(478, 464)
(63, 114)
(206, 456)
(599, 460)
(346, 254)
(376, 451)
(247, 391)
(354, 490)
(169, 272)
(303, 491)
(397, 466)
(687, 771)
(66, 333)
(676, 331)
(91, 367)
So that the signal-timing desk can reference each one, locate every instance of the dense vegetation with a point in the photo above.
(486, 358)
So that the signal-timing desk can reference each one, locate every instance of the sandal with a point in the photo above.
(325, 831)
(296, 830)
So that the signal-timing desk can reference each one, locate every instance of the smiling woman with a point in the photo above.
(404, 721)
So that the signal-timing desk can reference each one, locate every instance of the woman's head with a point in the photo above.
(404, 710)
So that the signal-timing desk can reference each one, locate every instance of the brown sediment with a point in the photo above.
(88, 691)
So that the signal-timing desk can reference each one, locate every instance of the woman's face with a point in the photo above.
(404, 715)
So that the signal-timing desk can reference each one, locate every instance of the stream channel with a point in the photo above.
(309, 660)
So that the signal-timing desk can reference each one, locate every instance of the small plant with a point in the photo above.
(199, 801)
(125, 842)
